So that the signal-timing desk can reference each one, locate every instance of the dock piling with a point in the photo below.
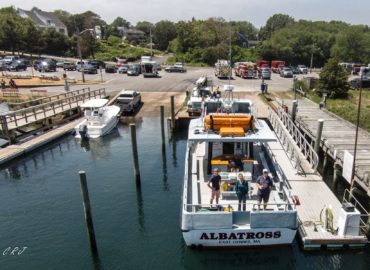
(318, 135)
(336, 173)
(135, 158)
(87, 210)
(294, 109)
(172, 113)
(162, 124)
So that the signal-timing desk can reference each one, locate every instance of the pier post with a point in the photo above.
(294, 109)
(172, 113)
(135, 158)
(318, 135)
(87, 210)
(336, 174)
(162, 124)
(325, 164)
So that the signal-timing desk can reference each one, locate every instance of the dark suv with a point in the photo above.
(46, 65)
(97, 63)
(69, 66)
(17, 66)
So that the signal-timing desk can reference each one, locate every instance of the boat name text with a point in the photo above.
(240, 235)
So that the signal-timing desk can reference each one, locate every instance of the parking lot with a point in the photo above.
(166, 82)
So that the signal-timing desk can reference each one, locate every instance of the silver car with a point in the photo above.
(265, 74)
(286, 73)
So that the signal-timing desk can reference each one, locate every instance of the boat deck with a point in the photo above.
(313, 195)
(204, 192)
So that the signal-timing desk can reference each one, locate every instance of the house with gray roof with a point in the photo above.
(44, 19)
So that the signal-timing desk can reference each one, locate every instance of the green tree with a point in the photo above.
(144, 26)
(352, 45)
(163, 33)
(10, 29)
(275, 23)
(333, 79)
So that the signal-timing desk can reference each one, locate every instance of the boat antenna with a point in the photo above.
(230, 71)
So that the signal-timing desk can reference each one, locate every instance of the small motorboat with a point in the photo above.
(99, 119)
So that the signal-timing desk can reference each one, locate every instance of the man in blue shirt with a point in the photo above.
(264, 186)
(214, 184)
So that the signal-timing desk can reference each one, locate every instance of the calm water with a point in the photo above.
(41, 209)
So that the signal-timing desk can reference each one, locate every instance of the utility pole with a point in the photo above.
(356, 136)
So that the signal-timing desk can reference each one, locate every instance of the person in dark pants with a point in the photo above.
(264, 186)
(241, 189)
(3, 86)
(214, 184)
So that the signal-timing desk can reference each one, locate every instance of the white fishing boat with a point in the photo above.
(99, 119)
(214, 140)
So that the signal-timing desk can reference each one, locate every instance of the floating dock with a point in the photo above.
(338, 136)
(312, 195)
(16, 150)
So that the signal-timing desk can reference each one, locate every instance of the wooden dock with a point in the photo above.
(16, 123)
(313, 195)
(17, 150)
(338, 136)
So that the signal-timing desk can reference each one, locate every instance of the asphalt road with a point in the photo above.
(167, 82)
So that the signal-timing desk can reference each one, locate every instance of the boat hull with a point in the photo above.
(240, 237)
(96, 132)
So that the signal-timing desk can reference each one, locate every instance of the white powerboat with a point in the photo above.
(99, 119)
(214, 140)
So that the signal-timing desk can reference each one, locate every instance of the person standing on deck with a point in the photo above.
(241, 189)
(214, 184)
(264, 186)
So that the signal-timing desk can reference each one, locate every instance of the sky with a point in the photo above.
(257, 12)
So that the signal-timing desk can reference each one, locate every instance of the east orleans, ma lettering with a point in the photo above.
(240, 235)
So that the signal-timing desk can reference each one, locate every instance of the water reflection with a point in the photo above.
(164, 168)
(140, 210)
(263, 258)
(173, 146)
(100, 147)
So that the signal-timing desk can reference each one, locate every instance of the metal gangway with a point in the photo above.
(14, 122)
(293, 141)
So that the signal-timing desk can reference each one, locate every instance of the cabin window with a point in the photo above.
(228, 148)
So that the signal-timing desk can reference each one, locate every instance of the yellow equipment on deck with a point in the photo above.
(218, 121)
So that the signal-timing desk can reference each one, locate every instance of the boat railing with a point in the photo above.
(230, 207)
(293, 140)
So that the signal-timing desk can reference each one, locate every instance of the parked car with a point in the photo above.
(17, 66)
(121, 62)
(46, 65)
(90, 69)
(69, 66)
(36, 63)
(60, 63)
(123, 68)
(356, 83)
(81, 64)
(97, 63)
(302, 69)
(295, 70)
(26, 61)
(265, 74)
(286, 73)
(110, 69)
(10, 58)
(159, 67)
(3, 66)
(175, 68)
(128, 100)
(134, 70)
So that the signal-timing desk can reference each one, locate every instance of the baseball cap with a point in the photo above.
(265, 171)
